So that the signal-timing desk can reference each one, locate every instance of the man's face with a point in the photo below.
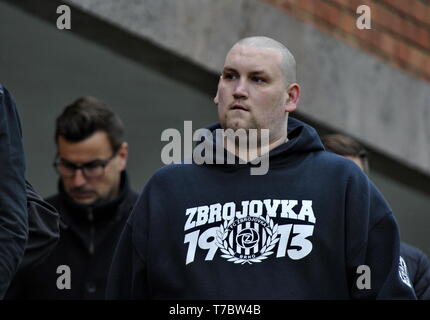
(252, 92)
(82, 189)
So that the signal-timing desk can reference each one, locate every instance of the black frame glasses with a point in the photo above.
(90, 170)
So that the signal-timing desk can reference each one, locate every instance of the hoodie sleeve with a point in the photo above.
(44, 229)
(422, 277)
(373, 245)
(43, 235)
(13, 211)
(127, 277)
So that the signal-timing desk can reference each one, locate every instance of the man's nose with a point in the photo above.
(240, 90)
(79, 178)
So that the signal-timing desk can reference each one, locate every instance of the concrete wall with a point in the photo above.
(342, 86)
(46, 69)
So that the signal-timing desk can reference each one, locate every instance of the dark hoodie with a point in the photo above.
(313, 227)
(13, 211)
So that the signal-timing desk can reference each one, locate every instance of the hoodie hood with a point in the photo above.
(302, 140)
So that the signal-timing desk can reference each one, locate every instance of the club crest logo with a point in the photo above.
(403, 272)
(247, 240)
(249, 232)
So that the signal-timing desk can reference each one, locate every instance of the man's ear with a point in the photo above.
(293, 97)
(216, 98)
(123, 155)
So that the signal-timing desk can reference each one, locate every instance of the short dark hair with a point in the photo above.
(84, 117)
(345, 146)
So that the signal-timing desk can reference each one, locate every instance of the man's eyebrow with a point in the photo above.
(229, 69)
(82, 164)
(258, 72)
(253, 73)
(65, 160)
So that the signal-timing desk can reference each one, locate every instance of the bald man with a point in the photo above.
(219, 230)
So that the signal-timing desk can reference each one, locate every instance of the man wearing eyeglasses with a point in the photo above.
(94, 200)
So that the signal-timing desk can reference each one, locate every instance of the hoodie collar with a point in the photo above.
(302, 139)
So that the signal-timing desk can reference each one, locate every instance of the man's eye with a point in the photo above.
(68, 165)
(258, 79)
(229, 76)
(92, 166)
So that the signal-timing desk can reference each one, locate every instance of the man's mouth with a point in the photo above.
(238, 106)
(82, 194)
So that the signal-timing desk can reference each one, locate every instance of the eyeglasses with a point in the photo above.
(90, 170)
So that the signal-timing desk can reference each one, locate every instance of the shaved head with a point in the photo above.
(257, 88)
(288, 63)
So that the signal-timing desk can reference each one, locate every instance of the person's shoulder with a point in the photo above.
(174, 171)
(332, 158)
(331, 161)
(411, 252)
(7, 100)
(168, 179)
(3, 90)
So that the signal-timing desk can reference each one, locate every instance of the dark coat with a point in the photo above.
(13, 211)
(88, 237)
(43, 230)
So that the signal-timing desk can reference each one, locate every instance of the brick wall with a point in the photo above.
(400, 33)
